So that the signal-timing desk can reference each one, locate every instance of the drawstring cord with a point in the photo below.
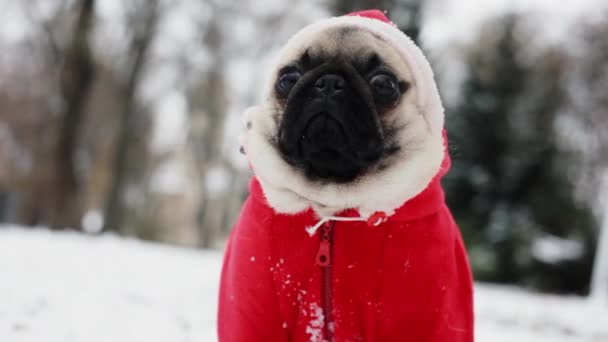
(373, 221)
(311, 230)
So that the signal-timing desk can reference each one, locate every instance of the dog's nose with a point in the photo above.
(330, 84)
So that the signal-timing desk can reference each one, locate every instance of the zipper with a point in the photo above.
(324, 261)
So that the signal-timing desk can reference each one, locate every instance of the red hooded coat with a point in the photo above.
(407, 279)
(404, 280)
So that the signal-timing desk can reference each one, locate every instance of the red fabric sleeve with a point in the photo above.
(248, 308)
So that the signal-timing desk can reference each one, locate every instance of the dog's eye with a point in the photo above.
(386, 89)
(287, 81)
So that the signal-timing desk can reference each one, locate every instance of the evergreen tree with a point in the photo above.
(507, 188)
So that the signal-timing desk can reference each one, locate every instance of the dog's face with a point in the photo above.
(340, 99)
(351, 119)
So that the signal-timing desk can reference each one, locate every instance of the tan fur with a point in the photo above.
(407, 172)
(357, 43)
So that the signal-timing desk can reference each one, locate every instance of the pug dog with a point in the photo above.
(345, 235)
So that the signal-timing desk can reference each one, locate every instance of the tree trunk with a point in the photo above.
(209, 99)
(599, 281)
(212, 209)
(76, 75)
(115, 211)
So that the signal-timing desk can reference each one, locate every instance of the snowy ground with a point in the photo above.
(69, 287)
(66, 287)
(505, 314)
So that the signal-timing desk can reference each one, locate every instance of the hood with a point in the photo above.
(414, 181)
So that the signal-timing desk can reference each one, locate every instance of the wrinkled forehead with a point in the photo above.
(351, 44)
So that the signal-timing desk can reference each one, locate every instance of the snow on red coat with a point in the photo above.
(405, 279)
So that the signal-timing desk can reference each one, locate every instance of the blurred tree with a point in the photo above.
(210, 100)
(406, 14)
(76, 77)
(507, 188)
(213, 95)
(143, 19)
(588, 104)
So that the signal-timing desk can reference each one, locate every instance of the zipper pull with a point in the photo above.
(323, 258)
(324, 253)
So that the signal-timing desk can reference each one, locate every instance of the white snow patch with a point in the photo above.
(92, 221)
(507, 314)
(65, 286)
(553, 249)
(73, 287)
(317, 321)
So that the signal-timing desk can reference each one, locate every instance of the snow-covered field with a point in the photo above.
(67, 287)
(70, 287)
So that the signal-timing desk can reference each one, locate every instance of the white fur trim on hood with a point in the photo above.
(288, 191)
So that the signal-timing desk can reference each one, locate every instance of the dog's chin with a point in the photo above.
(411, 158)
(324, 152)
